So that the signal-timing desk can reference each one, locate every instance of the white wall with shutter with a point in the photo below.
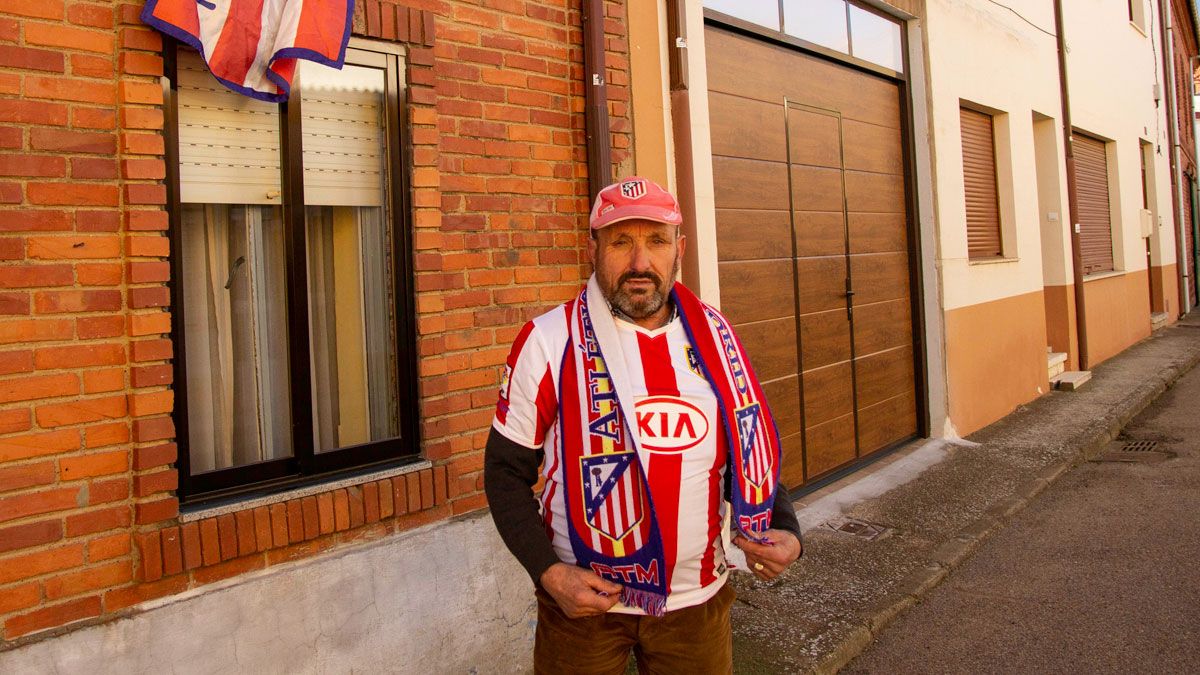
(228, 143)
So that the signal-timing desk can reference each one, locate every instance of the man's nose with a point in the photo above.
(641, 258)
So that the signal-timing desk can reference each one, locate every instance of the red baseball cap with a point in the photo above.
(632, 198)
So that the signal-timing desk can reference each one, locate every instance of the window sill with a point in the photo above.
(991, 261)
(244, 503)
(1102, 275)
(1138, 28)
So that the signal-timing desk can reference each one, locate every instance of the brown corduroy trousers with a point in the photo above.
(695, 639)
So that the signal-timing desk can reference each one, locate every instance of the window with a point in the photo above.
(294, 342)
(1095, 219)
(1137, 14)
(979, 183)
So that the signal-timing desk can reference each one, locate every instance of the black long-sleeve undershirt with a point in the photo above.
(510, 471)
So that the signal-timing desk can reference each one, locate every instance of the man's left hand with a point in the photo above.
(773, 558)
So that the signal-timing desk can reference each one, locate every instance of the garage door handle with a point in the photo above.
(849, 294)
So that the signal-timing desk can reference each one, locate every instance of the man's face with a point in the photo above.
(636, 262)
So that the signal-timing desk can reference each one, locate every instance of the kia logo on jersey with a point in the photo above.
(669, 424)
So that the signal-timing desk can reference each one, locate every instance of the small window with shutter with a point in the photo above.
(979, 182)
(295, 290)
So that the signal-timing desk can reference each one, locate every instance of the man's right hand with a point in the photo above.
(579, 592)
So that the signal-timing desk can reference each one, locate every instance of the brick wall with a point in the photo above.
(88, 518)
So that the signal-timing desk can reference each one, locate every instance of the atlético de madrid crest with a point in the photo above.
(756, 458)
(612, 493)
(633, 189)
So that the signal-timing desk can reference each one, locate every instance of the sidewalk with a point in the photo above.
(936, 502)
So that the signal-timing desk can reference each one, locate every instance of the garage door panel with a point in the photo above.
(771, 346)
(744, 234)
(816, 188)
(887, 422)
(730, 117)
(791, 471)
(870, 147)
(813, 139)
(783, 396)
(756, 290)
(827, 393)
(825, 338)
(882, 325)
(820, 233)
(822, 284)
(879, 277)
(750, 184)
(878, 232)
(830, 445)
(881, 376)
(874, 192)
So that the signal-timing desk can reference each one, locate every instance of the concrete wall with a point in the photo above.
(445, 598)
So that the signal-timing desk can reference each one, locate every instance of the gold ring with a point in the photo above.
(758, 566)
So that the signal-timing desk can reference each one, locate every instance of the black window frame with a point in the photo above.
(304, 465)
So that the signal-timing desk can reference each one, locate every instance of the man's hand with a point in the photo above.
(774, 557)
(579, 592)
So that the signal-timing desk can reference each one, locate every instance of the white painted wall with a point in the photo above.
(447, 598)
(1005, 61)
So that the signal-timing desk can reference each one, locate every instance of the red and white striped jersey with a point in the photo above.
(682, 445)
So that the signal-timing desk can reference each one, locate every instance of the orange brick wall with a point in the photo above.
(88, 517)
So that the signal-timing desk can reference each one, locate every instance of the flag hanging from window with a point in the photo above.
(251, 46)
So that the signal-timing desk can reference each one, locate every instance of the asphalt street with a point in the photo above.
(1099, 574)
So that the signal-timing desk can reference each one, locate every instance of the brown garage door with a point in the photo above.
(812, 239)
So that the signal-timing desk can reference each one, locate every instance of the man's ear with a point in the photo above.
(682, 248)
(591, 248)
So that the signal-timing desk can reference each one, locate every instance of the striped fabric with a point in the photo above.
(251, 46)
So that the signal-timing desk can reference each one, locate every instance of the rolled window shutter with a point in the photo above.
(1091, 186)
(228, 143)
(979, 180)
(343, 125)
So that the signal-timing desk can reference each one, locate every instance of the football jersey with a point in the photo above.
(682, 446)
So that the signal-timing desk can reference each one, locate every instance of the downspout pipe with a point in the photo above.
(1168, 51)
(1072, 193)
(599, 150)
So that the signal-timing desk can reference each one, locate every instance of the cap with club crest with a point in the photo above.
(634, 198)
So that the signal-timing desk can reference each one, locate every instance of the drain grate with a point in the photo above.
(1136, 451)
(1140, 446)
(856, 528)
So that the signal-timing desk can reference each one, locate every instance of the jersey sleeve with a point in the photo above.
(528, 400)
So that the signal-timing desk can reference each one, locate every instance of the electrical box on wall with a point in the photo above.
(1147, 221)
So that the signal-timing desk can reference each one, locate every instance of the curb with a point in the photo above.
(952, 553)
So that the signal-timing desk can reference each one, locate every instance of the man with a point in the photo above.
(648, 417)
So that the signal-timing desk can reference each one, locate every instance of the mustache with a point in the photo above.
(648, 276)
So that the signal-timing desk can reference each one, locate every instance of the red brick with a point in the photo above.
(143, 169)
(151, 403)
(53, 302)
(100, 435)
(15, 598)
(103, 381)
(11, 193)
(152, 350)
(141, 220)
(31, 59)
(38, 386)
(148, 457)
(14, 304)
(28, 565)
(357, 515)
(92, 168)
(141, 118)
(33, 112)
(149, 297)
(33, 166)
(155, 323)
(106, 491)
(370, 493)
(52, 616)
(295, 519)
(145, 193)
(120, 598)
(210, 541)
(79, 356)
(160, 481)
(29, 534)
(132, 92)
(341, 510)
(62, 140)
(98, 274)
(149, 272)
(439, 485)
(141, 38)
(100, 520)
(28, 276)
(325, 524)
(413, 487)
(16, 362)
(98, 221)
(135, 63)
(93, 327)
(427, 500)
(38, 9)
(247, 541)
(14, 478)
(262, 528)
(172, 551)
(97, 464)
(73, 194)
(58, 35)
(88, 579)
(93, 118)
(230, 568)
(312, 526)
(38, 444)
(87, 65)
(96, 16)
(227, 526)
(109, 546)
(156, 511)
(152, 376)
(27, 220)
(279, 524)
(81, 411)
(142, 144)
(400, 495)
(149, 547)
(386, 502)
(190, 540)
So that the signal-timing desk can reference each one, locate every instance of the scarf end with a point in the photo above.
(654, 604)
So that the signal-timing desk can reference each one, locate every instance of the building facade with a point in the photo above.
(252, 350)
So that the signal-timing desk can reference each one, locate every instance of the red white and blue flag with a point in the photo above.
(251, 46)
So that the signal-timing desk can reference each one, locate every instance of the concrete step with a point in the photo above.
(1071, 380)
(1158, 320)
(1056, 363)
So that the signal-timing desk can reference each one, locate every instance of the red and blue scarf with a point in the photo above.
(613, 527)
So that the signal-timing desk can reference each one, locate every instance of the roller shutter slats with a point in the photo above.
(1091, 188)
(979, 180)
